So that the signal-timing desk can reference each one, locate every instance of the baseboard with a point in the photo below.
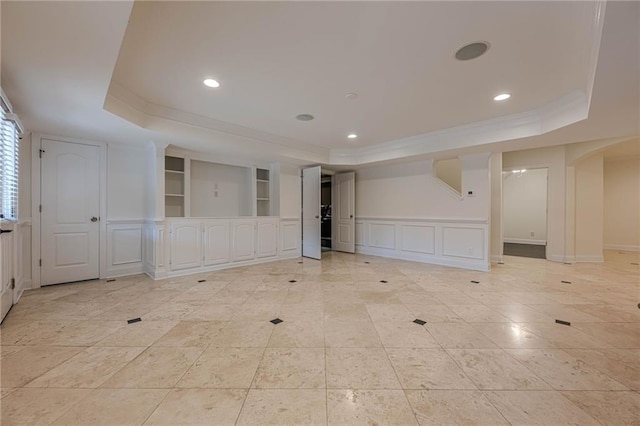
(561, 259)
(621, 247)
(476, 266)
(525, 241)
(123, 272)
(596, 258)
(497, 258)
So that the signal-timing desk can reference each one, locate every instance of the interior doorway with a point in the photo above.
(525, 212)
(328, 212)
(325, 213)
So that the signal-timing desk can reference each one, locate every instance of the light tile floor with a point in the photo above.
(346, 353)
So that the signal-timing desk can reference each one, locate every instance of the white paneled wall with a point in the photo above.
(124, 247)
(190, 245)
(462, 243)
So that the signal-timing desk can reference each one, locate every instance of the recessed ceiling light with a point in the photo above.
(305, 117)
(352, 136)
(472, 51)
(351, 96)
(502, 97)
(209, 82)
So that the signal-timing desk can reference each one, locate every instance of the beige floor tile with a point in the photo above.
(298, 334)
(113, 407)
(369, 407)
(449, 407)
(389, 312)
(351, 310)
(251, 334)
(88, 369)
(84, 333)
(517, 312)
(561, 336)
(20, 367)
(477, 313)
(212, 312)
(538, 408)
(6, 391)
(404, 334)
(199, 407)
(191, 334)
(350, 334)
(563, 371)
(609, 313)
(459, 335)
(428, 369)
(31, 332)
(223, 368)
(511, 336)
(433, 313)
(360, 368)
(609, 408)
(495, 369)
(125, 311)
(622, 365)
(284, 407)
(303, 312)
(618, 335)
(142, 333)
(159, 367)
(291, 368)
(38, 406)
(565, 312)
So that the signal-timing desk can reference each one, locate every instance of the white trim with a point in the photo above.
(621, 247)
(475, 221)
(525, 241)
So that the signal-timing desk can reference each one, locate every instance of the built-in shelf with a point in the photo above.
(262, 199)
(180, 172)
(174, 195)
(174, 186)
(263, 182)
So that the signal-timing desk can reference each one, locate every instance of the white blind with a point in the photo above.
(8, 167)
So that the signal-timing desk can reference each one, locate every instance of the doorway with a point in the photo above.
(327, 224)
(325, 213)
(525, 212)
(69, 212)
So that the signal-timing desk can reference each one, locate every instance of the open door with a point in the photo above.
(344, 232)
(311, 232)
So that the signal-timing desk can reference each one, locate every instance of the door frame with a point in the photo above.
(36, 197)
(534, 166)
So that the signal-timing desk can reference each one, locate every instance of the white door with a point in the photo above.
(6, 270)
(311, 212)
(70, 197)
(186, 245)
(244, 240)
(343, 212)
(217, 242)
(267, 238)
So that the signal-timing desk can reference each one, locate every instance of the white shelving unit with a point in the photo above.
(263, 186)
(174, 186)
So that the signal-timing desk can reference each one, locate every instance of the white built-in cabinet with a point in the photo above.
(199, 243)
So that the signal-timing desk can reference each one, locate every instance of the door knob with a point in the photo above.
(317, 217)
(94, 219)
(350, 216)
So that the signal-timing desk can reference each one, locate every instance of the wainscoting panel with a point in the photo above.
(125, 242)
(382, 235)
(460, 243)
(417, 238)
(290, 237)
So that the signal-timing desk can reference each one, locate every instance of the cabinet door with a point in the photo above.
(217, 242)
(267, 238)
(186, 245)
(243, 240)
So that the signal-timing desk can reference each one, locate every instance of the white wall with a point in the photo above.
(553, 159)
(525, 206)
(403, 211)
(233, 187)
(589, 209)
(411, 191)
(128, 168)
(290, 195)
(497, 209)
(622, 204)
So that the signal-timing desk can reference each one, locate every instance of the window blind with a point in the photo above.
(9, 141)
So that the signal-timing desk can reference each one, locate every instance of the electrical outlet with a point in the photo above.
(533, 234)
(469, 193)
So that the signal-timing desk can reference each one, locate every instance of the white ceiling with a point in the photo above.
(110, 71)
